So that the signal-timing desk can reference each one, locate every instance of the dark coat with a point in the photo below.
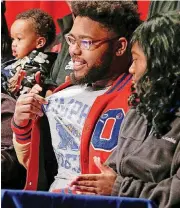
(12, 173)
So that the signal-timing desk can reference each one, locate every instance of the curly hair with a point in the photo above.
(118, 16)
(158, 91)
(43, 24)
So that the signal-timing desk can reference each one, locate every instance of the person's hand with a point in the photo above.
(92, 184)
(36, 89)
(48, 93)
(14, 82)
(28, 106)
(38, 78)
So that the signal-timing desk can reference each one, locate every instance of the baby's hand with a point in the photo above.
(38, 78)
(14, 82)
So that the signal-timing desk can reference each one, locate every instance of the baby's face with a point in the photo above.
(24, 38)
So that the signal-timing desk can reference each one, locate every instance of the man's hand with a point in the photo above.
(100, 184)
(28, 106)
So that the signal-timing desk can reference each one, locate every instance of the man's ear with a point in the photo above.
(121, 46)
(41, 41)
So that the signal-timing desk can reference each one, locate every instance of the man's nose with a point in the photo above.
(75, 49)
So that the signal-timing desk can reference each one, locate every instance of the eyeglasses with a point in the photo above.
(85, 44)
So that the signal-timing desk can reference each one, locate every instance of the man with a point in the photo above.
(84, 115)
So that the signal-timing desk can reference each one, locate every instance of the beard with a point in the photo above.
(96, 73)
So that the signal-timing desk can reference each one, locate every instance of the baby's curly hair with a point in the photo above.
(119, 16)
(43, 24)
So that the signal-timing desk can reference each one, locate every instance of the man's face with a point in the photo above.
(24, 38)
(93, 64)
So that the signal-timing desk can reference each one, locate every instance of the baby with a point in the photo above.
(32, 32)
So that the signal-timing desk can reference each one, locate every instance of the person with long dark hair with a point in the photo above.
(146, 162)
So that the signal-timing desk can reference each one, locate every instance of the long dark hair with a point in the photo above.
(159, 88)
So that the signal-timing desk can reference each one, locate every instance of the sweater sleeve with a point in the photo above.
(22, 141)
(22, 151)
(165, 194)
